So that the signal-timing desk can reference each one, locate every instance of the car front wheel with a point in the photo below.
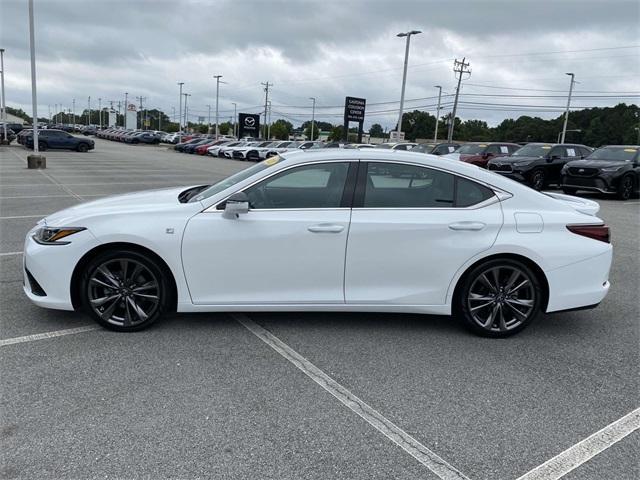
(538, 179)
(499, 298)
(625, 188)
(124, 290)
(83, 147)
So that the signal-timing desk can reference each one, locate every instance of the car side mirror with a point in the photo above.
(235, 205)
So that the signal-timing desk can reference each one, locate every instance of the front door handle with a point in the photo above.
(326, 228)
(473, 226)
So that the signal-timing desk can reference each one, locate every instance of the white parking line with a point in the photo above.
(8, 254)
(573, 457)
(44, 336)
(394, 433)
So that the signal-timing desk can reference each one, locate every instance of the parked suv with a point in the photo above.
(611, 169)
(539, 164)
(58, 139)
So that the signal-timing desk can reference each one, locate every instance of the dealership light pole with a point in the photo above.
(100, 112)
(180, 110)
(435, 133)
(566, 113)
(313, 115)
(186, 119)
(217, 77)
(404, 74)
(89, 107)
(3, 106)
(34, 95)
(124, 116)
(235, 117)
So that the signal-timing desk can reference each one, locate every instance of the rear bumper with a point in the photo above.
(581, 284)
(594, 184)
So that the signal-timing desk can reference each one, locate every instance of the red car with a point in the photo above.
(480, 153)
(202, 149)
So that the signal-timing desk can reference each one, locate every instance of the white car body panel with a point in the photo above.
(382, 260)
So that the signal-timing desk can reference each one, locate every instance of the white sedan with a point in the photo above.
(333, 230)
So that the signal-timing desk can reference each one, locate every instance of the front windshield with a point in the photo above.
(472, 148)
(532, 151)
(423, 148)
(235, 178)
(614, 154)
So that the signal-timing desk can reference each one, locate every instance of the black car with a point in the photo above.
(436, 148)
(11, 136)
(538, 164)
(610, 169)
(58, 139)
(16, 127)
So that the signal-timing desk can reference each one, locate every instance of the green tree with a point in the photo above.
(376, 130)
(281, 129)
(336, 133)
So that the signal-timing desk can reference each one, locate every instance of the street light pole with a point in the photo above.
(217, 77)
(235, 117)
(186, 119)
(313, 115)
(404, 73)
(100, 112)
(180, 111)
(566, 114)
(435, 133)
(126, 107)
(34, 96)
(3, 106)
(89, 106)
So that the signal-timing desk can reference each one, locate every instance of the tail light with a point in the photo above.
(597, 232)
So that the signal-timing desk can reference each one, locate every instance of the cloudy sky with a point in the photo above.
(519, 51)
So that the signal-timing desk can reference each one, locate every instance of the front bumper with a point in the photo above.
(51, 266)
(594, 184)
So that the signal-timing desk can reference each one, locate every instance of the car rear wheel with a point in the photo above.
(625, 188)
(83, 147)
(569, 191)
(499, 298)
(538, 179)
(124, 290)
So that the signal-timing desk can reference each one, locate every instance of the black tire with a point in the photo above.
(42, 146)
(570, 191)
(538, 179)
(124, 291)
(83, 147)
(625, 188)
(477, 302)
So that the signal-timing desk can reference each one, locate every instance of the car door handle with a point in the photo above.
(474, 226)
(326, 228)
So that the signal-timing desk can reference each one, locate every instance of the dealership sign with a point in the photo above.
(354, 109)
(248, 125)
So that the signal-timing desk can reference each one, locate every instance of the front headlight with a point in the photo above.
(53, 236)
(521, 164)
(610, 169)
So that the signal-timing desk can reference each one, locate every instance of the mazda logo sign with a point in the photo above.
(249, 121)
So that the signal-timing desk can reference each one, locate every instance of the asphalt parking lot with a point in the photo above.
(206, 396)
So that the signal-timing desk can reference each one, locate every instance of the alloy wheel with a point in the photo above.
(123, 292)
(626, 188)
(501, 298)
(538, 180)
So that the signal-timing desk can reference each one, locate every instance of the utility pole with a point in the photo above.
(435, 133)
(266, 101)
(3, 106)
(89, 108)
(217, 77)
(100, 112)
(269, 123)
(566, 114)
(209, 115)
(186, 118)
(404, 74)
(235, 117)
(73, 113)
(313, 115)
(180, 112)
(460, 68)
(126, 108)
(142, 125)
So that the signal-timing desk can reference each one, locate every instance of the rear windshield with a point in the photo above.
(614, 154)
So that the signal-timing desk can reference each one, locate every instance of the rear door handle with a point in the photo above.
(326, 228)
(474, 226)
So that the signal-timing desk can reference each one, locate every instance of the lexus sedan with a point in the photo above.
(326, 230)
(612, 169)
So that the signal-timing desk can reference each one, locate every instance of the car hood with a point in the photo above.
(148, 200)
(597, 163)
